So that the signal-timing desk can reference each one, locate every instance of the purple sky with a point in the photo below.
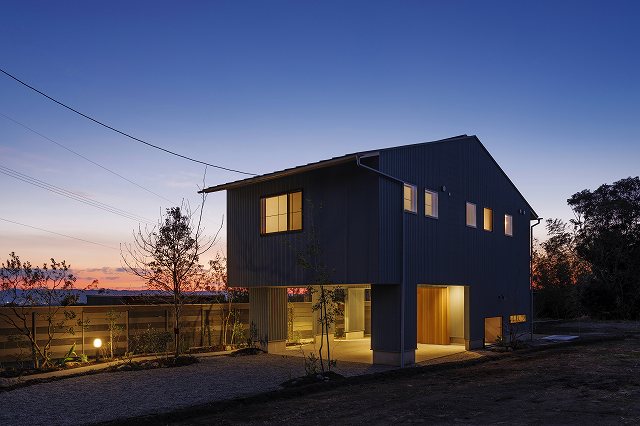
(551, 89)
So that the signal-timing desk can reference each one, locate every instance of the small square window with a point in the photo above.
(488, 219)
(410, 204)
(513, 319)
(471, 215)
(430, 203)
(508, 225)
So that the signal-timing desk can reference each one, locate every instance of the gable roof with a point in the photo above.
(351, 158)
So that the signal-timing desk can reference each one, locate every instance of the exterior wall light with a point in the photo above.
(97, 343)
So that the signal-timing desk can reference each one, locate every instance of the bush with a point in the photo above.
(150, 341)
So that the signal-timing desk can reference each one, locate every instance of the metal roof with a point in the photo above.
(345, 159)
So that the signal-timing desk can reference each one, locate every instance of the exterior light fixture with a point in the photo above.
(97, 343)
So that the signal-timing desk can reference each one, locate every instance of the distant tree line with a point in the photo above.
(591, 265)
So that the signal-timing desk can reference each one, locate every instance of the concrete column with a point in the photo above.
(354, 313)
(385, 325)
(268, 311)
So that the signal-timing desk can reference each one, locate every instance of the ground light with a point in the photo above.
(97, 343)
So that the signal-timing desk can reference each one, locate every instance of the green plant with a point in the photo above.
(150, 340)
(252, 336)
(70, 356)
(311, 362)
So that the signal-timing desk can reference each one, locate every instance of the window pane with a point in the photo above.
(430, 203)
(295, 221)
(471, 215)
(488, 219)
(282, 222)
(271, 206)
(271, 224)
(295, 202)
(508, 225)
(409, 198)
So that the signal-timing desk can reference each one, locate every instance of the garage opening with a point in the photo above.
(441, 314)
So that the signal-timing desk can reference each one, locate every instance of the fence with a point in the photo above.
(201, 325)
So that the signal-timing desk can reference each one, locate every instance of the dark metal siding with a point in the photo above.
(341, 202)
(445, 250)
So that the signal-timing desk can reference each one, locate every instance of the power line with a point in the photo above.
(72, 195)
(82, 156)
(120, 131)
(57, 233)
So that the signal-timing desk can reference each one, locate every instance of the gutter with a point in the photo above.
(403, 281)
(539, 219)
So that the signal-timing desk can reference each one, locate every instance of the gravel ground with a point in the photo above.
(110, 396)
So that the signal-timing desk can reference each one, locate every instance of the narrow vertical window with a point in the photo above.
(410, 204)
(281, 213)
(488, 219)
(471, 215)
(508, 225)
(430, 203)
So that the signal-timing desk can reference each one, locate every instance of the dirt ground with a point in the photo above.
(590, 383)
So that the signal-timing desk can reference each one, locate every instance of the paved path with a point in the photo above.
(109, 396)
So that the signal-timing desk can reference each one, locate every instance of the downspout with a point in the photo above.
(404, 260)
(531, 270)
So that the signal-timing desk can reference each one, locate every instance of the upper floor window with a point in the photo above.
(410, 204)
(471, 215)
(281, 213)
(430, 203)
(488, 219)
(508, 225)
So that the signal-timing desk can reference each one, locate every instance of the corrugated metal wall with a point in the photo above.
(445, 250)
(339, 202)
(268, 311)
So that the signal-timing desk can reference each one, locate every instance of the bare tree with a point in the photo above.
(50, 287)
(167, 257)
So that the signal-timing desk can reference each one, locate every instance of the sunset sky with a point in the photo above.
(551, 88)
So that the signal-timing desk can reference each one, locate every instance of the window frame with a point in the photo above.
(434, 207)
(510, 233)
(414, 200)
(517, 318)
(278, 194)
(484, 219)
(475, 214)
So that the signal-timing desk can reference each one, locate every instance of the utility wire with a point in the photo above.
(72, 195)
(120, 131)
(82, 156)
(57, 233)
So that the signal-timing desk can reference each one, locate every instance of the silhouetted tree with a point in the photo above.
(608, 238)
(167, 257)
(50, 287)
(558, 273)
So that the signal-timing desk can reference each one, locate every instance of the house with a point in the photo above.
(437, 231)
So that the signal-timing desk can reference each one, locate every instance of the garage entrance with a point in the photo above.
(441, 314)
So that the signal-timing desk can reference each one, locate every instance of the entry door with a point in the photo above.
(433, 315)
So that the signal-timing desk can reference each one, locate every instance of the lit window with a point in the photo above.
(430, 203)
(281, 213)
(517, 318)
(410, 198)
(488, 219)
(508, 225)
(471, 215)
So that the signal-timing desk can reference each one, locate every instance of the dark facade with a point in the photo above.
(357, 217)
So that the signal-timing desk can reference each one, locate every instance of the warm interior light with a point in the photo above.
(97, 343)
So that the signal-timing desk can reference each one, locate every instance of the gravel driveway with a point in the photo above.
(109, 396)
